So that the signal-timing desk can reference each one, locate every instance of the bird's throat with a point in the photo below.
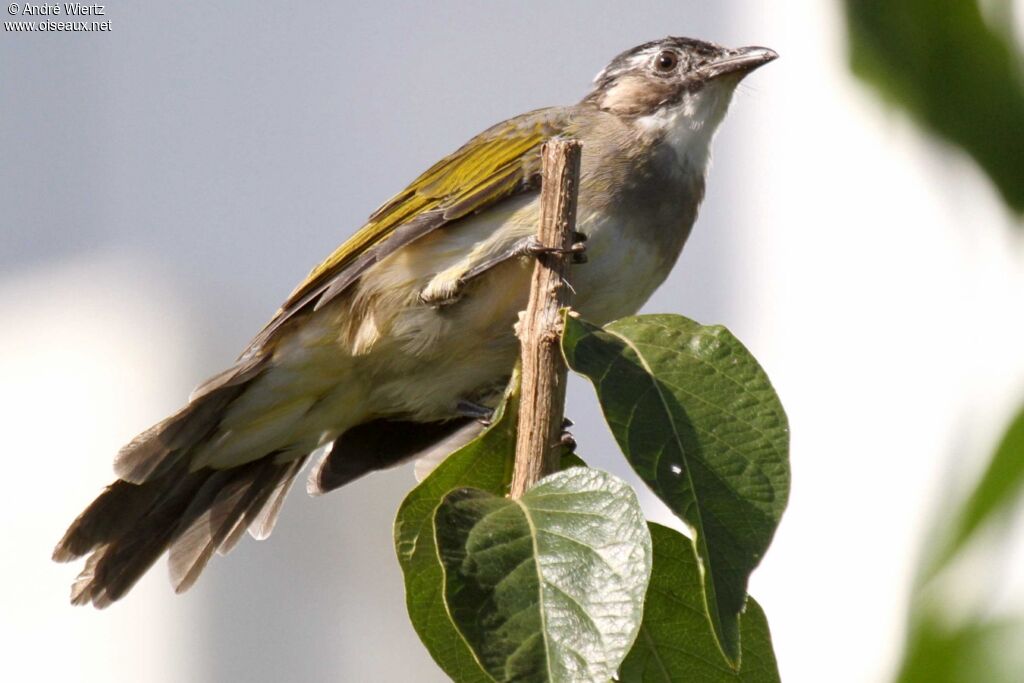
(687, 127)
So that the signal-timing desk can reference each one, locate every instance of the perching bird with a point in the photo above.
(392, 346)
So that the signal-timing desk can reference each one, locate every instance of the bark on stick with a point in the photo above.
(543, 368)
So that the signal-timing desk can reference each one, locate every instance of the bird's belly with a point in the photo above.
(621, 272)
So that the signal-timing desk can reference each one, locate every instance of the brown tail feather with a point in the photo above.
(131, 525)
(122, 554)
(157, 503)
(226, 500)
(155, 451)
(261, 518)
(110, 516)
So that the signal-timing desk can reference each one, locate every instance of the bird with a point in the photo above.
(400, 342)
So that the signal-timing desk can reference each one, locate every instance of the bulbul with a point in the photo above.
(396, 345)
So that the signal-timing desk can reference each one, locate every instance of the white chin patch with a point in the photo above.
(689, 126)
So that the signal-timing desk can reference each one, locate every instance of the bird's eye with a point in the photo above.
(666, 61)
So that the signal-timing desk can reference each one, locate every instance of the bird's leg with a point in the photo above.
(478, 412)
(528, 246)
(446, 291)
(578, 249)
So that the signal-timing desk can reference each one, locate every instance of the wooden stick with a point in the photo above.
(544, 372)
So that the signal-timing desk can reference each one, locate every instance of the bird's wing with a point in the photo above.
(501, 162)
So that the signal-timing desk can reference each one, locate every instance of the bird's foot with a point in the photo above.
(566, 440)
(480, 413)
(578, 249)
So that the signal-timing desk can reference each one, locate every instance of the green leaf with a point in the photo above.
(674, 642)
(550, 587)
(700, 423)
(955, 73)
(986, 651)
(1000, 488)
(486, 464)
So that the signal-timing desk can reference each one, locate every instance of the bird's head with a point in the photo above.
(660, 75)
(679, 88)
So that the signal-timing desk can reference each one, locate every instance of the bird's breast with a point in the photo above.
(621, 272)
(633, 243)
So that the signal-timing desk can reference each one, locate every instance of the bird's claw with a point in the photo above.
(566, 440)
(578, 248)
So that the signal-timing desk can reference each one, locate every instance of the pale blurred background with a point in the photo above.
(164, 185)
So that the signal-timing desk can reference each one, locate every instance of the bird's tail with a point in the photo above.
(167, 499)
(191, 514)
(161, 503)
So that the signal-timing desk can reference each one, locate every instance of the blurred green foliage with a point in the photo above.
(997, 493)
(961, 77)
(950, 640)
(976, 652)
(955, 74)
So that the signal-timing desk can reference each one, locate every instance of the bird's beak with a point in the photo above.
(742, 60)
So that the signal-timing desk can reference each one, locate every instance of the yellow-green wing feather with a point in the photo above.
(501, 162)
